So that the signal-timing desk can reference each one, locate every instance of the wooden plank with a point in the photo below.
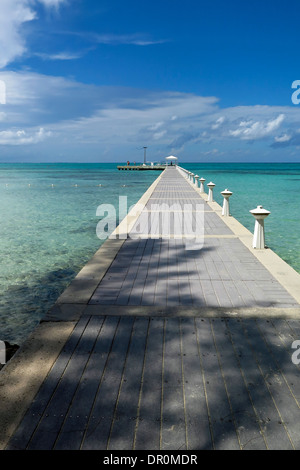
(24, 432)
(221, 294)
(280, 337)
(126, 413)
(74, 427)
(53, 417)
(210, 296)
(245, 418)
(173, 432)
(99, 425)
(147, 433)
(197, 415)
(275, 436)
(222, 422)
(272, 363)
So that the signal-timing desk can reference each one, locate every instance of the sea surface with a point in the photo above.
(48, 221)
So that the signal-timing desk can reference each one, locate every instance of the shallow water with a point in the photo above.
(48, 232)
(48, 223)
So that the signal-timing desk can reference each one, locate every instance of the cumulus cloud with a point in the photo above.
(101, 117)
(148, 119)
(283, 138)
(218, 123)
(13, 14)
(22, 137)
(252, 130)
(287, 140)
(2, 92)
(33, 98)
(90, 114)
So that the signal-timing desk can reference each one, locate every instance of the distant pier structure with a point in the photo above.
(141, 167)
(171, 160)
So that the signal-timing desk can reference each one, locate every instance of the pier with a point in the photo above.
(141, 167)
(167, 339)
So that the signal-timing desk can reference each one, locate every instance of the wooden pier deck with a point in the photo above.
(141, 167)
(156, 346)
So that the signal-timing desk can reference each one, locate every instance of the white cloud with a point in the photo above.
(218, 123)
(90, 114)
(211, 152)
(52, 3)
(159, 135)
(98, 117)
(25, 91)
(283, 138)
(59, 56)
(2, 92)
(13, 14)
(135, 39)
(22, 137)
(252, 130)
(156, 126)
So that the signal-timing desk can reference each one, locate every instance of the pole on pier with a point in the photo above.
(202, 180)
(259, 229)
(225, 210)
(210, 191)
(196, 181)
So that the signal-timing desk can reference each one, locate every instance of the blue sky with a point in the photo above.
(87, 80)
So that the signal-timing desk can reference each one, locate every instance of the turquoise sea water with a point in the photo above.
(275, 186)
(48, 223)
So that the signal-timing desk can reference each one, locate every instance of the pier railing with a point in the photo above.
(259, 213)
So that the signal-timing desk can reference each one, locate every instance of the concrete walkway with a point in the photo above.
(158, 346)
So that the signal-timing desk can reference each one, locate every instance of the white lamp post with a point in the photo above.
(202, 180)
(210, 191)
(259, 229)
(225, 210)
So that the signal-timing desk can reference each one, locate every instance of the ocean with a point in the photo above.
(48, 223)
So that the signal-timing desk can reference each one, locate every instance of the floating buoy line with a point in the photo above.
(73, 185)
